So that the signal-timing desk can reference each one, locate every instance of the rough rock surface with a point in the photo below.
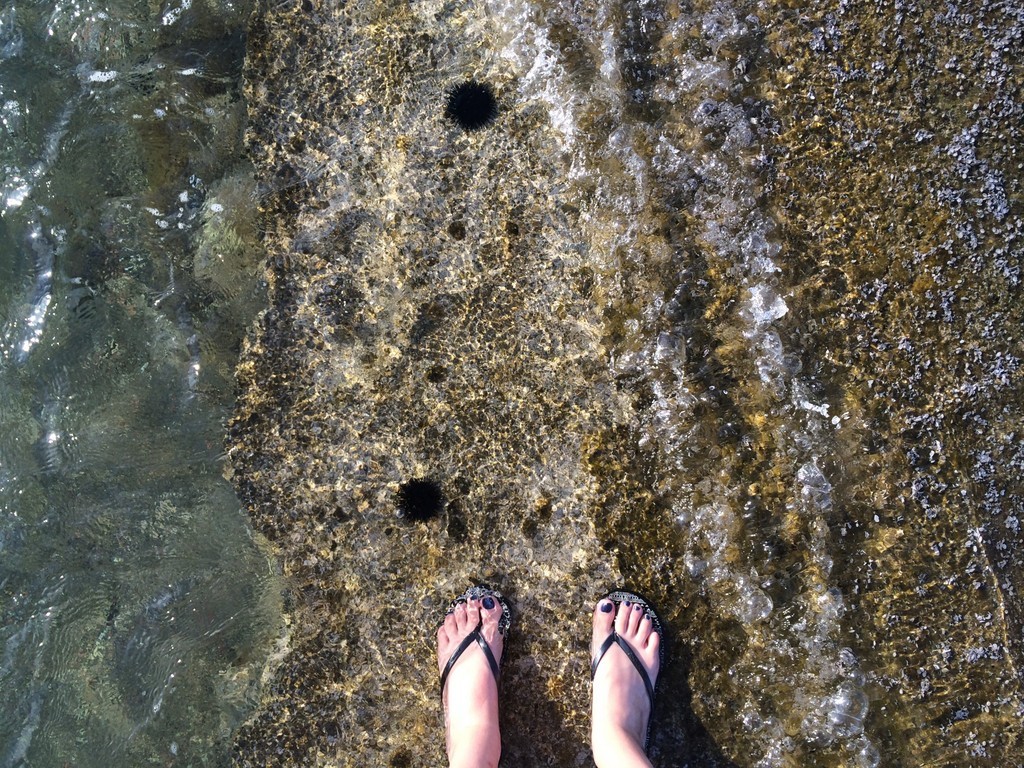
(722, 305)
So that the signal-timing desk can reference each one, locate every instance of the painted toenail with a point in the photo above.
(488, 602)
(606, 607)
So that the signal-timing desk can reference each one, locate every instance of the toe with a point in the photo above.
(644, 629)
(622, 618)
(447, 635)
(459, 614)
(490, 611)
(472, 614)
(604, 616)
(653, 642)
(448, 627)
(635, 615)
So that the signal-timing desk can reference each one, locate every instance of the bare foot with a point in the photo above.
(470, 696)
(621, 706)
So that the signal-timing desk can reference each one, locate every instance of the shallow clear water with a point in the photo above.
(724, 305)
(137, 607)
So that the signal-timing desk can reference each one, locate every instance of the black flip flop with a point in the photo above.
(479, 592)
(614, 638)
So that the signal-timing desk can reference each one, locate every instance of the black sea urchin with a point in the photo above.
(419, 499)
(472, 105)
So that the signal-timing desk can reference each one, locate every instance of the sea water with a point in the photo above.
(137, 606)
(724, 305)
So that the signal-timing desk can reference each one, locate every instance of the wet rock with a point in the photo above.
(737, 313)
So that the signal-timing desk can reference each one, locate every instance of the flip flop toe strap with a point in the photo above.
(467, 641)
(615, 638)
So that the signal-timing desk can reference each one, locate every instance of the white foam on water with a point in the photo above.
(16, 191)
(11, 115)
(823, 686)
(27, 647)
(34, 323)
(738, 232)
(101, 76)
(763, 308)
(11, 39)
(525, 43)
(171, 15)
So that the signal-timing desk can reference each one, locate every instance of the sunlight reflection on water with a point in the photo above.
(137, 605)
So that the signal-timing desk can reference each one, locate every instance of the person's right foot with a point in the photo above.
(621, 707)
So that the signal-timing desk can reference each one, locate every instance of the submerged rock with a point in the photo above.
(704, 312)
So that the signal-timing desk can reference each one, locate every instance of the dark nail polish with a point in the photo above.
(488, 602)
(606, 607)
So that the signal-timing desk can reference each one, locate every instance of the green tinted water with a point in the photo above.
(138, 608)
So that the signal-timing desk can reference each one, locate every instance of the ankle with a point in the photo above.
(474, 737)
(615, 746)
(476, 751)
(616, 721)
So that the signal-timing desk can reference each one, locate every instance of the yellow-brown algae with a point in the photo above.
(701, 312)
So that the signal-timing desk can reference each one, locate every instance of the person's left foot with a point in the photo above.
(470, 695)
